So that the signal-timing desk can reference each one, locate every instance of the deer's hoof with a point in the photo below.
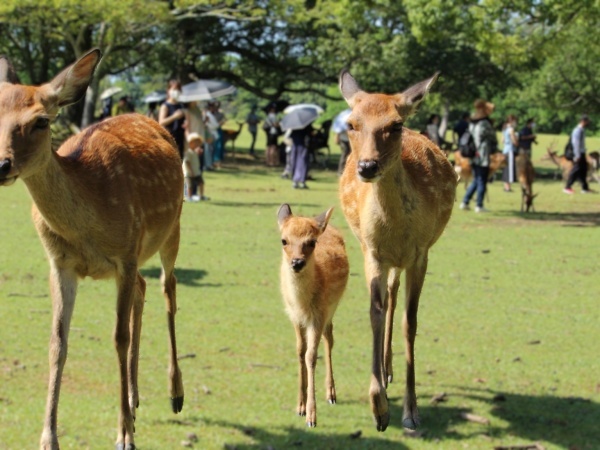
(332, 401)
(177, 404)
(410, 423)
(311, 424)
(121, 446)
(382, 421)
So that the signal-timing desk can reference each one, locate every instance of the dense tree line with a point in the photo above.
(532, 58)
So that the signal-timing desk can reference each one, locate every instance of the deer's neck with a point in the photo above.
(393, 187)
(54, 193)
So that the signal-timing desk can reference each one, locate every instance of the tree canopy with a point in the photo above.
(531, 57)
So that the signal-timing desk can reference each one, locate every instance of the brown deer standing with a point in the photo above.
(397, 193)
(525, 175)
(231, 135)
(104, 203)
(314, 274)
(566, 165)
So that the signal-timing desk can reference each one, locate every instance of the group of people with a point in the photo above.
(198, 135)
(481, 128)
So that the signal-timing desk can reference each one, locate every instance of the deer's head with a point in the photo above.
(299, 236)
(26, 112)
(376, 122)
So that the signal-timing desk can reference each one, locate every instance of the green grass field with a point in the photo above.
(508, 329)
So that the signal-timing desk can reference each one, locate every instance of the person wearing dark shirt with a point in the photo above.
(172, 115)
(461, 126)
(526, 137)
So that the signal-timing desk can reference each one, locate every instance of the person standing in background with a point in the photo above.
(579, 170)
(510, 149)
(484, 135)
(252, 120)
(527, 138)
(172, 116)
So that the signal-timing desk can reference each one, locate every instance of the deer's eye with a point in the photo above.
(350, 127)
(396, 127)
(41, 123)
(311, 243)
(283, 242)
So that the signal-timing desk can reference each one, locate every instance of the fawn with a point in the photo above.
(103, 204)
(526, 175)
(397, 193)
(314, 274)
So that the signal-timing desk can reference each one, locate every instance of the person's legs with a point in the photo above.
(481, 177)
(472, 187)
(253, 142)
(583, 173)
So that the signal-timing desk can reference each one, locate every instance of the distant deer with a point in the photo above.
(397, 193)
(103, 204)
(231, 136)
(525, 175)
(314, 273)
(462, 166)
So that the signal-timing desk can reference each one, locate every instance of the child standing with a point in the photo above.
(191, 169)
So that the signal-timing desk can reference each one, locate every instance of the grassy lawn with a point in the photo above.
(508, 329)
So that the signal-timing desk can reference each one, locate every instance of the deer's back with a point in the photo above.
(122, 195)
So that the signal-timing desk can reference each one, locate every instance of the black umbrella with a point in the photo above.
(299, 118)
(279, 105)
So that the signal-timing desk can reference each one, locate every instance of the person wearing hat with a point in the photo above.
(192, 170)
(579, 170)
(486, 142)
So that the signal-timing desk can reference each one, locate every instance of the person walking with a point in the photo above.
(271, 127)
(579, 170)
(484, 136)
(299, 156)
(510, 149)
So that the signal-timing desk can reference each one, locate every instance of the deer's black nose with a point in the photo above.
(368, 169)
(5, 167)
(298, 264)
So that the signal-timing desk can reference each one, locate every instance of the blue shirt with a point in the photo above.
(578, 141)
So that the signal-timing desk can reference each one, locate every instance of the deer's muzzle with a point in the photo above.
(368, 169)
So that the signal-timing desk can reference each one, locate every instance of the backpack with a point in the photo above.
(569, 152)
(466, 145)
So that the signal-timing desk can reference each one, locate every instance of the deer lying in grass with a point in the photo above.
(314, 273)
(525, 175)
(103, 204)
(462, 166)
(397, 193)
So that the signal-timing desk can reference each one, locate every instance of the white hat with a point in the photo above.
(194, 137)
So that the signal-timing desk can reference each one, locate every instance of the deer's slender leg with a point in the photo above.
(393, 285)
(135, 325)
(126, 285)
(302, 375)
(313, 336)
(378, 277)
(329, 381)
(415, 276)
(63, 288)
(168, 254)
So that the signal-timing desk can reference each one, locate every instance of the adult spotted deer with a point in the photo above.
(397, 193)
(104, 203)
(314, 273)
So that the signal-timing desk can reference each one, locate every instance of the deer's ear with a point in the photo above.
(323, 219)
(7, 71)
(284, 213)
(411, 97)
(348, 87)
(70, 85)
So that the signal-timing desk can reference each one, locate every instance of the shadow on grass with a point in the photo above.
(568, 422)
(572, 219)
(189, 277)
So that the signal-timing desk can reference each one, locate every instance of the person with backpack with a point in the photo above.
(482, 137)
(579, 170)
